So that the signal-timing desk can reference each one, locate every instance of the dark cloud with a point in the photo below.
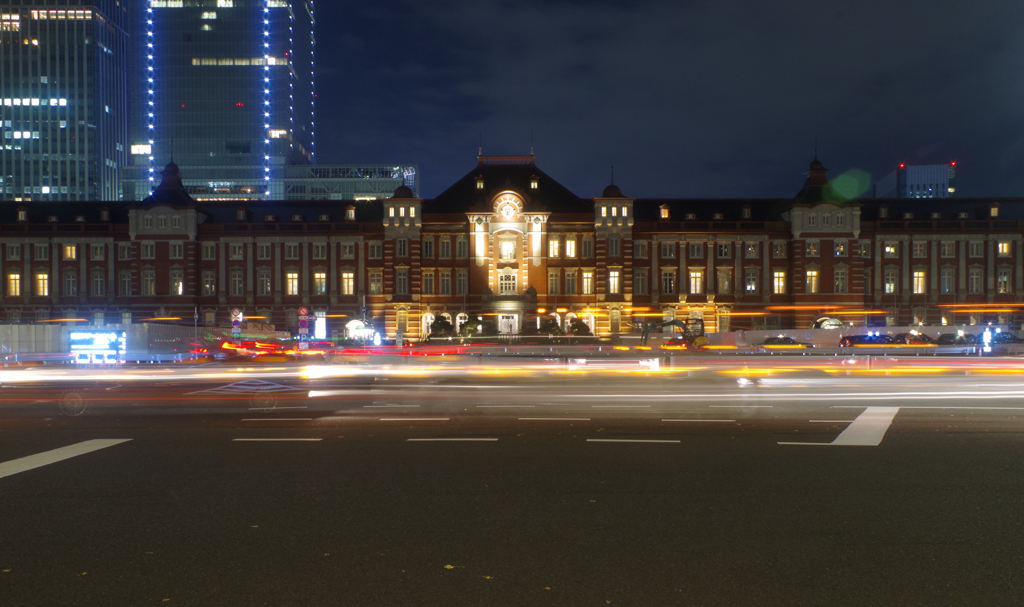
(686, 99)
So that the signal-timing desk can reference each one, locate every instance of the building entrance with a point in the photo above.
(508, 324)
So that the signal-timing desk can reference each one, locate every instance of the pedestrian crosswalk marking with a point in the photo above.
(866, 431)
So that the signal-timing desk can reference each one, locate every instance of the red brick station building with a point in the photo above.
(508, 243)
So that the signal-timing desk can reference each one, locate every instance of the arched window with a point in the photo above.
(428, 320)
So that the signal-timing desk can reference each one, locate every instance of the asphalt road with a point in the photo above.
(513, 487)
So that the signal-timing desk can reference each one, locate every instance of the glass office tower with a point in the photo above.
(63, 99)
(226, 87)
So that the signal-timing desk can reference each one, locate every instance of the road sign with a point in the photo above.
(236, 312)
(303, 311)
(303, 345)
(303, 323)
(236, 324)
(364, 311)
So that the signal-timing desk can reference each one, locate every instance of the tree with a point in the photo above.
(441, 327)
(579, 328)
(549, 326)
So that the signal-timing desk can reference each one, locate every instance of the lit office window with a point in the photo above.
(1003, 281)
(812, 281)
(779, 283)
(919, 282)
(43, 285)
(177, 282)
(890, 281)
(696, 282)
(14, 285)
(292, 283)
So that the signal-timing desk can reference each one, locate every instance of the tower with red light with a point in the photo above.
(918, 181)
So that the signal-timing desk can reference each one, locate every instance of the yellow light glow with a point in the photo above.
(802, 307)
(856, 312)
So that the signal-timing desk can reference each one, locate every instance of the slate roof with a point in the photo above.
(507, 173)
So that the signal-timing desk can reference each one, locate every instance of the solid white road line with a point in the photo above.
(279, 419)
(831, 421)
(620, 406)
(937, 407)
(450, 440)
(505, 406)
(414, 419)
(865, 431)
(51, 457)
(276, 440)
(556, 419)
(316, 393)
(698, 420)
(740, 406)
(627, 440)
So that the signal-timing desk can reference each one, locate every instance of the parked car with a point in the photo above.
(783, 342)
(913, 339)
(1006, 338)
(851, 341)
(954, 339)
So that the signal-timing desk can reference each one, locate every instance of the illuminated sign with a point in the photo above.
(98, 341)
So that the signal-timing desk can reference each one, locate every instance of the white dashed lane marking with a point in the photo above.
(276, 440)
(628, 440)
(451, 440)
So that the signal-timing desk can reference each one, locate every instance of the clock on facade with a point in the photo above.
(508, 211)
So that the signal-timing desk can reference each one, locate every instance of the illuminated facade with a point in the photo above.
(227, 91)
(508, 244)
(63, 99)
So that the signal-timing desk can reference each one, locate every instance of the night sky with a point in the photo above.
(717, 98)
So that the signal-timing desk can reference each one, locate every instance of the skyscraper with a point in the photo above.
(63, 99)
(918, 181)
(227, 89)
